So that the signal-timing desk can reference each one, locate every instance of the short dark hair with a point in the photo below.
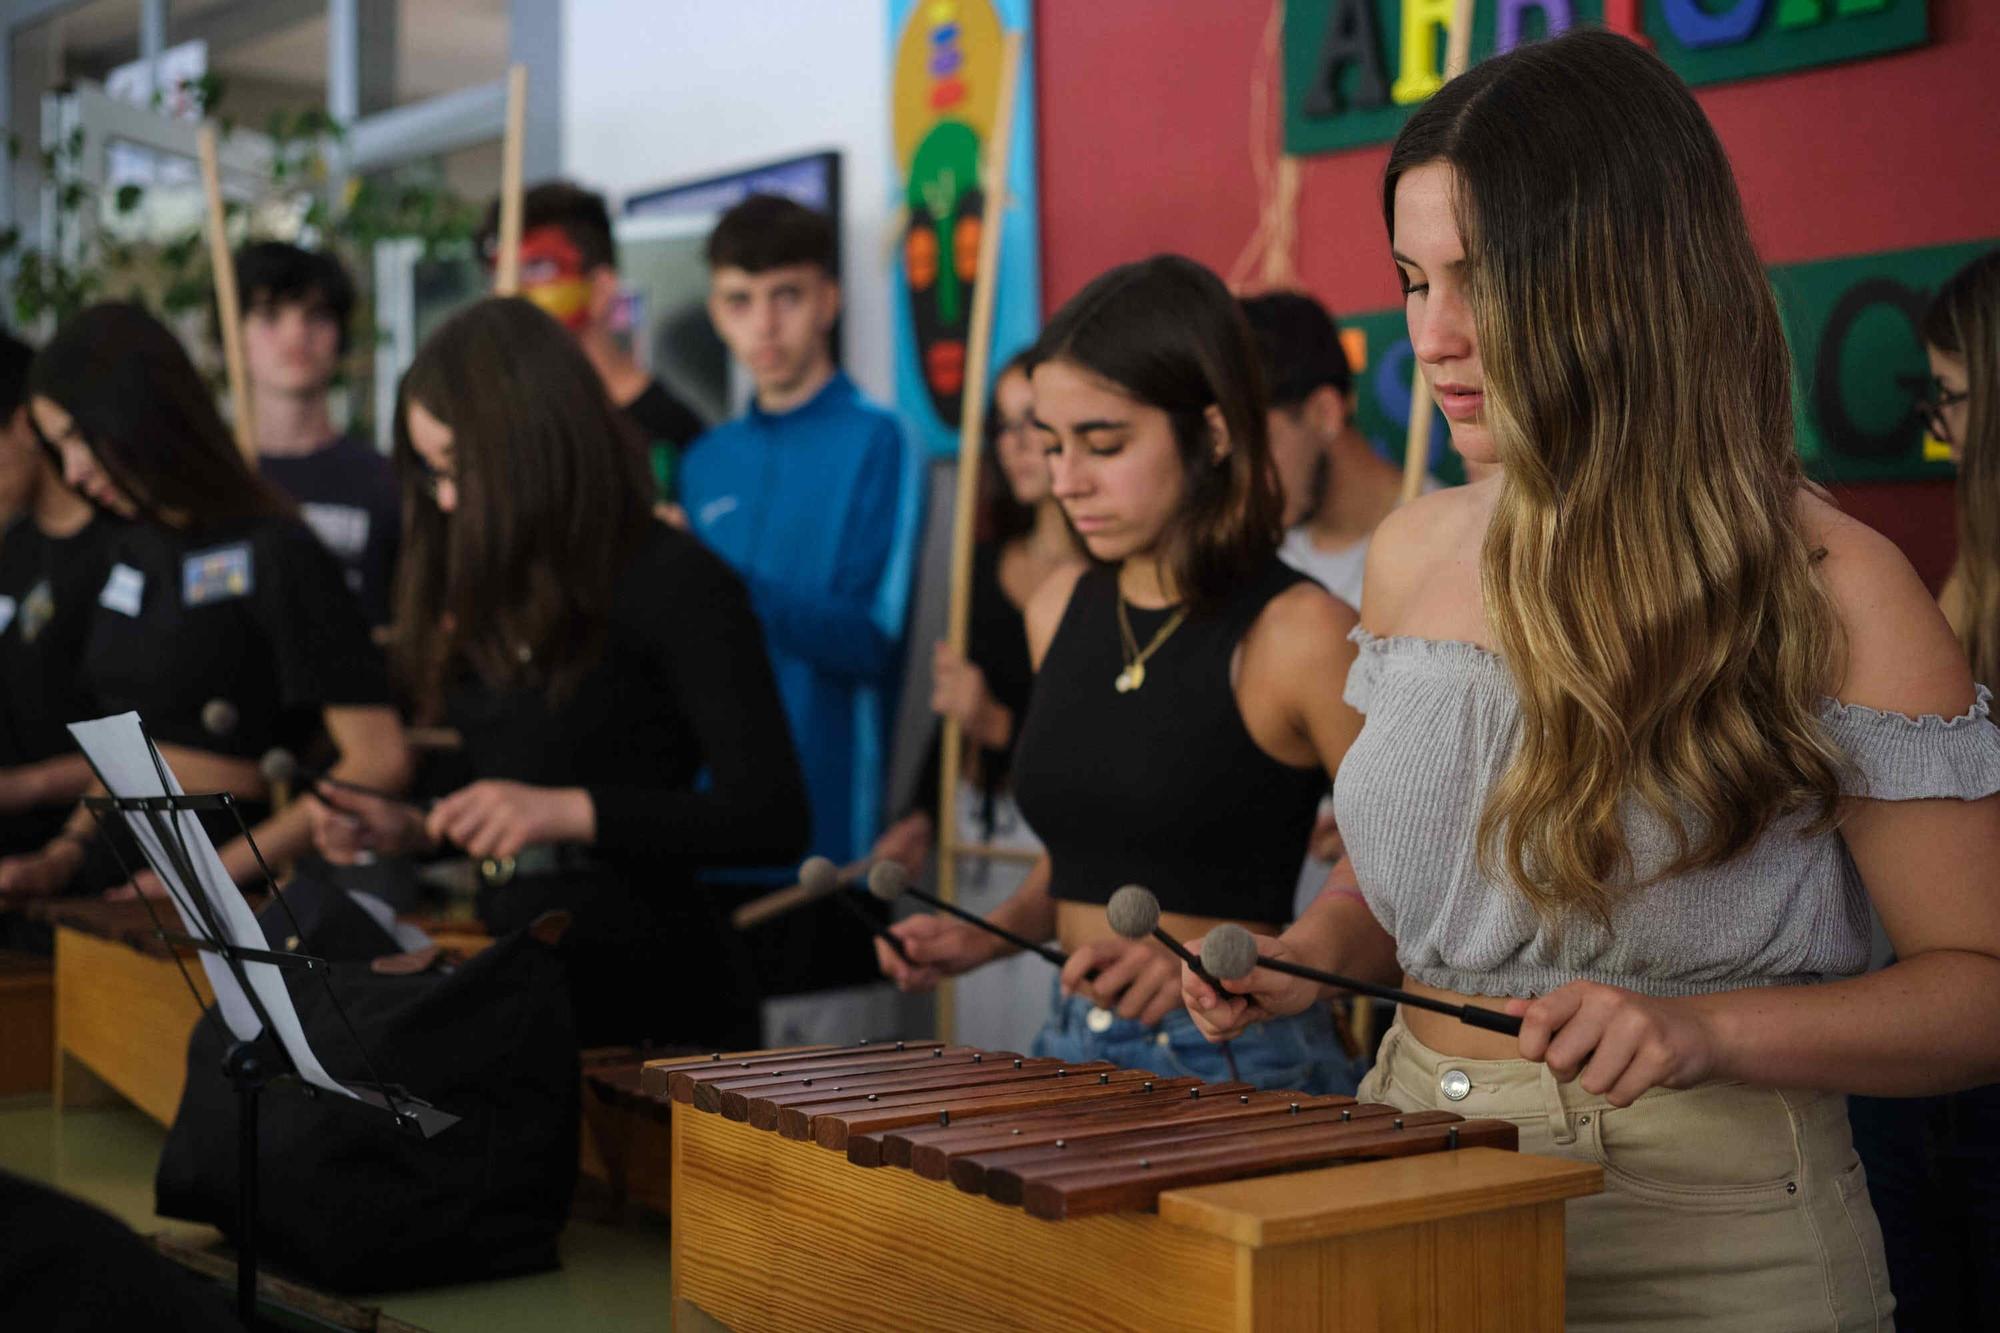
(582, 214)
(1166, 332)
(768, 231)
(15, 357)
(1298, 344)
(275, 273)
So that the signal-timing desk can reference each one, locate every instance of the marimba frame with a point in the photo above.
(772, 1233)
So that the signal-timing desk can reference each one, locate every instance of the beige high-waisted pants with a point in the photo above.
(1726, 1209)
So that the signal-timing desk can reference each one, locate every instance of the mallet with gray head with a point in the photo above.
(1230, 952)
(889, 881)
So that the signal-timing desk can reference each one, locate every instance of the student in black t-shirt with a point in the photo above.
(569, 267)
(605, 670)
(20, 459)
(298, 309)
(221, 620)
(51, 566)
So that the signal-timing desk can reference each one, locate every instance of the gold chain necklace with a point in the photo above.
(1134, 674)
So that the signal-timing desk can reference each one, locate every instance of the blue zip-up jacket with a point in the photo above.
(808, 506)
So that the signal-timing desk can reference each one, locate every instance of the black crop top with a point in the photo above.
(1164, 786)
(231, 639)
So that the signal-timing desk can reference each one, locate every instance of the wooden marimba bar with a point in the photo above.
(924, 1185)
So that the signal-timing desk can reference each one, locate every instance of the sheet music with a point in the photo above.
(118, 749)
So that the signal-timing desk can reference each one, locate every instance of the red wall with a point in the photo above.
(1145, 146)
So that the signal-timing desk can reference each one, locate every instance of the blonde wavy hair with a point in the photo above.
(1964, 321)
(1647, 573)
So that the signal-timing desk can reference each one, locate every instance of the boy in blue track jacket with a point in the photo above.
(802, 496)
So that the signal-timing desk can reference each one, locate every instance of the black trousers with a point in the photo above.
(647, 963)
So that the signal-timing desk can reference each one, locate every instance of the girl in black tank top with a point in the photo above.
(1187, 712)
(1162, 785)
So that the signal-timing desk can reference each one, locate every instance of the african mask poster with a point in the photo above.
(945, 62)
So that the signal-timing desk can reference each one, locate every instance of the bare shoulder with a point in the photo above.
(1415, 540)
(1302, 625)
(1044, 611)
(1901, 655)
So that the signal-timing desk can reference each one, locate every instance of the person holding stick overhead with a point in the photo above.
(297, 308)
(220, 619)
(569, 267)
(1186, 710)
(597, 663)
(987, 688)
(1650, 724)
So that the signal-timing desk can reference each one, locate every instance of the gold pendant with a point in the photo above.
(1131, 678)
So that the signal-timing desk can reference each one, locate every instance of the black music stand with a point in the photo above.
(160, 827)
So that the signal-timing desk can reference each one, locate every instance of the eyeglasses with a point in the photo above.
(431, 479)
(1932, 407)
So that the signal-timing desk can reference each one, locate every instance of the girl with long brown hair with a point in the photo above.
(1961, 331)
(1934, 1162)
(1178, 735)
(596, 662)
(211, 611)
(1649, 723)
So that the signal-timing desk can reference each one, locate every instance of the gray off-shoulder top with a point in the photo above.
(1440, 723)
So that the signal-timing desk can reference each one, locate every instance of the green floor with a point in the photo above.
(611, 1278)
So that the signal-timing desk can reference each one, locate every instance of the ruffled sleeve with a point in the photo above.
(1361, 677)
(1900, 758)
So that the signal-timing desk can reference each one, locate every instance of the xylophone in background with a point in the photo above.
(918, 1184)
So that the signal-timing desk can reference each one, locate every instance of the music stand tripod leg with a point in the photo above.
(242, 1065)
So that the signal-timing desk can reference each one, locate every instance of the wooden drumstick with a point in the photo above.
(817, 878)
(507, 263)
(1230, 952)
(1417, 442)
(228, 313)
(971, 433)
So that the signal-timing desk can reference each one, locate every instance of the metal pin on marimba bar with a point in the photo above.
(1028, 1133)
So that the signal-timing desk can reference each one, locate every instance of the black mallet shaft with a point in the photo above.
(1231, 953)
(889, 881)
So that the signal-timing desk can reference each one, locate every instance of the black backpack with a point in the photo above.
(353, 1203)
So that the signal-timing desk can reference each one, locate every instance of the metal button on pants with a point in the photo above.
(1455, 1084)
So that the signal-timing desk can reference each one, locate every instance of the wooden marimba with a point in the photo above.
(123, 1010)
(923, 1185)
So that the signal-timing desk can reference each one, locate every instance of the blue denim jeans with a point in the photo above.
(1296, 1054)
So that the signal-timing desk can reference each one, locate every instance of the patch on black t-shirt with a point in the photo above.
(348, 495)
(231, 640)
(48, 591)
